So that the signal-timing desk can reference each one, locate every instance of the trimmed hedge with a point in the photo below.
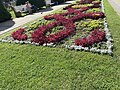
(4, 14)
(37, 3)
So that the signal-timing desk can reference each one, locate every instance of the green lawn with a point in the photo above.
(28, 67)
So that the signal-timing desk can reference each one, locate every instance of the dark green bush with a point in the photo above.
(4, 14)
(59, 1)
(37, 3)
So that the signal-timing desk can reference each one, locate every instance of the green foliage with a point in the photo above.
(94, 10)
(77, 1)
(77, 6)
(12, 14)
(90, 25)
(88, 5)
(33, 26)
(57, 29)
(59, 11)
(4, 14)
(60, 1)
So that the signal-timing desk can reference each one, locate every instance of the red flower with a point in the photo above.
(39, 36)
(95, 15)
(86, 1)
(96, 36)
(18, 35)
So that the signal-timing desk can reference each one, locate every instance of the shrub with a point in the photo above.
(59, 1)
(4, 14)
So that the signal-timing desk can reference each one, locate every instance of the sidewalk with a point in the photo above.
(116, 5)
(12, 24)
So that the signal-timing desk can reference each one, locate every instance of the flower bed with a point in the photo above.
(19, 35)
(83, 25)
(96, 36)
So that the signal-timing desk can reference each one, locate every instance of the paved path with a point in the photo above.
(12, 24)
(116, 5)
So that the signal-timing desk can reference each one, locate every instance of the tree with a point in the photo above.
(4, 14)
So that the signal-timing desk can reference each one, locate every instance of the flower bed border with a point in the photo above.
(108, 37)
(75, 47)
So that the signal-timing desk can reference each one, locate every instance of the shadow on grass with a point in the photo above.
(6, 25)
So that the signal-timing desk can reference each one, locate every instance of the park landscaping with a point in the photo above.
(37, 67)
(79, 26)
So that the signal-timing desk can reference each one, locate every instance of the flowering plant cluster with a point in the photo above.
(96, 2)
(19, 35)
(69, 23)
(95, 15)
(86, 1)
(83, 3)
(96, 36)
(39, 36)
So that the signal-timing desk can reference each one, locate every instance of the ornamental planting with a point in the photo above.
(79, 26)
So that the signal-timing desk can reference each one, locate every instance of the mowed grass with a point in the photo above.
(28, 67)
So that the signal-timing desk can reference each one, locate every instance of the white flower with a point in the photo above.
(86, 48)
(98, 50)
(16, 41)
(108, 43)
(108, 35)
(25, 42)
(105, 24)
(21, 42)
(103, 51)
(110, 51)
(4, 40)
(110, 47)
(36, 44)
(93, 49)
(106, 30)
(29, 42)
(49, 44)
(69, 47)
(77, 47)
(72, 46)
(110, 39)
(25, 27)
(44, 44)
